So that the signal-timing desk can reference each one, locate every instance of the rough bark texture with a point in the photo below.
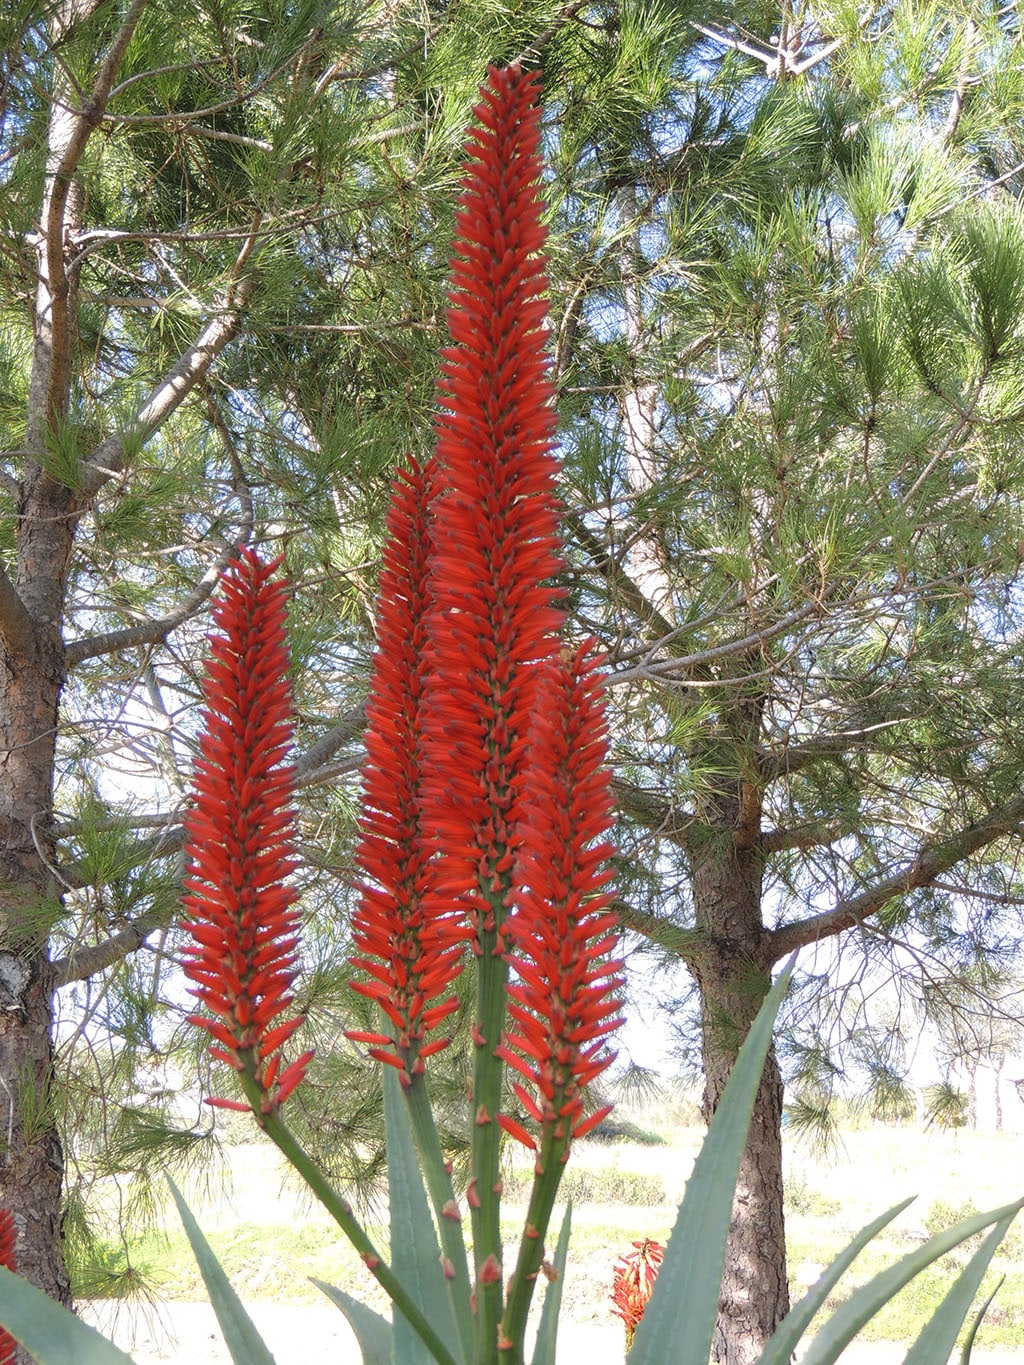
(31, 678)
(733, 970)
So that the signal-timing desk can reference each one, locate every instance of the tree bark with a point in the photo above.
(31, 679)
(732, 967)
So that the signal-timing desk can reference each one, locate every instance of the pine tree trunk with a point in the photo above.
(734, 977)
(31, 679)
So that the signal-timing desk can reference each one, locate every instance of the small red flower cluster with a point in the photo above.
(8, 1241)
(239, 839)
(634, 1282)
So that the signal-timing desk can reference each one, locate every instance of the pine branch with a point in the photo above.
(815, 834)
(81, 963)
(652, 812)
(108, 458)
(155, 631)
(57, 284)
(934, 858)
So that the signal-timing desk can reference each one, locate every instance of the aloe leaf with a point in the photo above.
(965, 1354)
(49, 1332)
(415, 1254)
(679, 1321)
(547, 1331)
(372, 1332)
(939, 1334)
(864, 1303)
(243, 1341)
(790, 1330)
(938, 1337)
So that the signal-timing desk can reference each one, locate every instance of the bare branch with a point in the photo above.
(666, 668)
(617, 577)
(308, 766)
(58, 287)
(934, 858)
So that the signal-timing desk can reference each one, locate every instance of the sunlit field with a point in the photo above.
(271, 1239)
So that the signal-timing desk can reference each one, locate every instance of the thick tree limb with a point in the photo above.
(684, 943)
(934, 858)
(16, 624)
(652, 812)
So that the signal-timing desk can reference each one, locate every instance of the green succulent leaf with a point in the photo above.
(938, 1337)
(372, 1332)
(679, 1320)
(246, 1345)
(965, 1354)
(49, 1332)
(791, 1329)
(415, 1254)
(547, 1331)
(861, 1306)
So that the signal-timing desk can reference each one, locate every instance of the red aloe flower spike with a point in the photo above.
(238, 904)
(410, 951)
(8, 1241)
(495, 530)
(634, 1282)
(565, 1000)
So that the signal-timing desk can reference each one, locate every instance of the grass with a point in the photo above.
(271, 1238)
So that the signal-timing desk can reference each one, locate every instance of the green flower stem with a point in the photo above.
(289, 1146)
(442, 1196)
(485, 1141)
(548, 1177)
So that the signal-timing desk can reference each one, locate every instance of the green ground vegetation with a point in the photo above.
(271, 1239)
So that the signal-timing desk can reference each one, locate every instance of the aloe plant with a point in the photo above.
(486, 810)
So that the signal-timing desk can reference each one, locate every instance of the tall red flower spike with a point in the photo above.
(495, 530)
(634, 1282)
(8, 1241)
(565, 1001)
(410, 951)
(239, 840)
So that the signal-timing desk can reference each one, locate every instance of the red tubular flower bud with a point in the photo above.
(634, 1282)
(238, 904)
